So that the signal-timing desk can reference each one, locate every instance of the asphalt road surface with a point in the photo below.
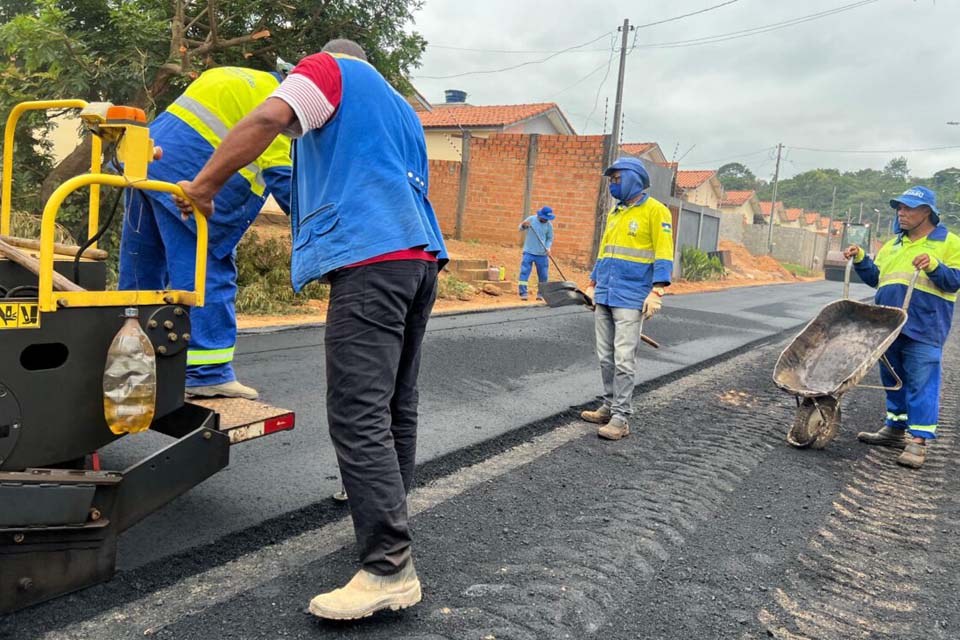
(703, 523)
(482, 375)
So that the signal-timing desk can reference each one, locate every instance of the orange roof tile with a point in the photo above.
(736, 198)
(693, 179)
(837, 224)
(824, 222)
(793, 214)
(638, 148)
(811, 217)
(765, 206)
(486, 116)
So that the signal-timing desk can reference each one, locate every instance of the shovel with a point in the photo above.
(563, 293)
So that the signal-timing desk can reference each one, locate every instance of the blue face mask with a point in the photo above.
(615, 190)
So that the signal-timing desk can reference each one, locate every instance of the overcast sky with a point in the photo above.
(879, 76)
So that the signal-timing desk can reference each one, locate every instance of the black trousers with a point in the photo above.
(375, 325)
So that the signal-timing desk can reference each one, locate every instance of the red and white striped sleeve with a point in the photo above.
(313, 91)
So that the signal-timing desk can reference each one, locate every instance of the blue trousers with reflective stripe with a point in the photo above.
(158, 251)
(917, 405)
(526, 266)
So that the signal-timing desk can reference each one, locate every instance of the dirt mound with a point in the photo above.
(747, 265)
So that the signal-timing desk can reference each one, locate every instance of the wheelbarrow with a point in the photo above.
(832, 355)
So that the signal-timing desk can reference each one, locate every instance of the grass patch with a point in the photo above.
(453, 288)
(797, 270)
(263, 279)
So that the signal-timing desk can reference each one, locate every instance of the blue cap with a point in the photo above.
(918, 196)
(546, 213)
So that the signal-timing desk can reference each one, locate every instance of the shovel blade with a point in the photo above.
(563, 293)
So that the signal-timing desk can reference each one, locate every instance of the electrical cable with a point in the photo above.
(606, 75)
(12, 293)
(874, 150)
(742, 155)
(106, 225)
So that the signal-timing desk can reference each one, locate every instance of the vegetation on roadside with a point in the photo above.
(263, 278)
(453, 288)
(696, 265)
(797, 270)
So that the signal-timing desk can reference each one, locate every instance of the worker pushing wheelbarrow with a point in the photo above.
(832, 355)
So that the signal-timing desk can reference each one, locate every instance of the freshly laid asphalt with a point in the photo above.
(703, 523)
(482, 375)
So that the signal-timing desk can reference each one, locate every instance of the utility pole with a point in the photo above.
(860, 219)
(833, 205)
(773, 201)
(618, 105)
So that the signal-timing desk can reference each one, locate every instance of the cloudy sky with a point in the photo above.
(880, 75)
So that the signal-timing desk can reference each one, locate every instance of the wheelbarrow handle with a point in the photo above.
(913, 283)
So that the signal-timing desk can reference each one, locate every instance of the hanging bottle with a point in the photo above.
(130, 378)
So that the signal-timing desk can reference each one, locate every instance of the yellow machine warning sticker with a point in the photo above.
(19, 315)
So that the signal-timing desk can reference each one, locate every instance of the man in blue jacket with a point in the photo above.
(921, 243)
(536, 248)
(633, 266)
(158, 249)
(361, 221)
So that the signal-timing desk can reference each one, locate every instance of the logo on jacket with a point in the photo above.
(666, 226)
(634, 227)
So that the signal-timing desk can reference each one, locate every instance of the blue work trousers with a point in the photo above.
(158, 251)
(526, 266)
(916, 406)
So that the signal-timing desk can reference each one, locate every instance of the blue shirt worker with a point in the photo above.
(158, 247)
(634, 265)
(536, 248)
(916, 355)
(361, 220)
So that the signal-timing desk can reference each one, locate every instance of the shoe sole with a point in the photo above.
(594, 420)
(613, 437)
(192, 394)
(911, 462)
(885, 443)
(393, 603)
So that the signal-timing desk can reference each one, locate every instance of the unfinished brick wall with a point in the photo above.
(495, 188)
(567, 178)
(444, 190)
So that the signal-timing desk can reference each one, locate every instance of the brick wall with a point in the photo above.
(566, 176)
(444, 189)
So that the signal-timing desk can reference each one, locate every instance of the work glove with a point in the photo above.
(653, 302)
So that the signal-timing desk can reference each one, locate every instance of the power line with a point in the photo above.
(606, 75)
(605, 64)
(743, 33)
(875, 150)
(742, 155)
(516, 66)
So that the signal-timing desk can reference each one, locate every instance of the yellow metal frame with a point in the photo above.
(51, 300)
(7, 181)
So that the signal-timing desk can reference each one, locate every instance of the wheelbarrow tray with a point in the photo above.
(837, 348)
(563, 293)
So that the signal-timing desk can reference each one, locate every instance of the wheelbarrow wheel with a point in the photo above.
(816, 424)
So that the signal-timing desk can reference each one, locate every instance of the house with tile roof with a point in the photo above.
(743, 204)
(810, 220)
(780, 215)
(793, 218)
(445, 124)
(645, 151)
(700, 187)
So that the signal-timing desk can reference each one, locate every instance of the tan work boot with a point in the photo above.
(367, 593)
(616, 429)
(598, 416)
(886, 437)
(913, 456)
(232, 389)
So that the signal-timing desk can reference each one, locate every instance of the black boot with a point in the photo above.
(886, 437)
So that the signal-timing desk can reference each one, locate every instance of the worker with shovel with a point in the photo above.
(536, 248)
(634, 265)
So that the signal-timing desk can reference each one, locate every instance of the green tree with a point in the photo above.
(736, 177)
(144, 52)
(897, 169)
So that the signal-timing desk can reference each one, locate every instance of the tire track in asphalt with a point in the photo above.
(571, 584)
(862, 575)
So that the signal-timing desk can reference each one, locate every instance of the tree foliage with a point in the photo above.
(736, 177)
(813, 190)
(144, 52)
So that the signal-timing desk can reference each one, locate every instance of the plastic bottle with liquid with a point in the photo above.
(130, 378)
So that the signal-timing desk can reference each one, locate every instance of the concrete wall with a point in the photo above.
(731, 226)
(795, 246)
